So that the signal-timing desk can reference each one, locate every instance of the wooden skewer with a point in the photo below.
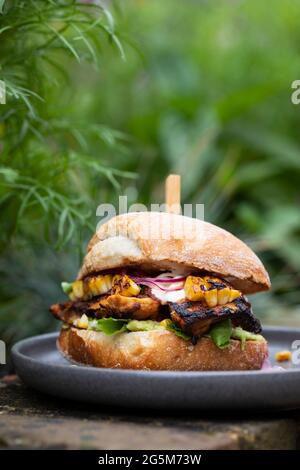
(172, 194)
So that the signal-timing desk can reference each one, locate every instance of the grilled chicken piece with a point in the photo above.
(116, 305)
(138, 308)
(65, 312)
(195, 319)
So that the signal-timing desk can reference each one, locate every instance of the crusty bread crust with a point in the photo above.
(179, 242)
(158, 350)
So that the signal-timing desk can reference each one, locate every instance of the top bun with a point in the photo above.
(164, 241)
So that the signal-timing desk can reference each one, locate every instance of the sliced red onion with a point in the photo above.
(167, 279)
(164, 279)
(267, 366)
(155, 282)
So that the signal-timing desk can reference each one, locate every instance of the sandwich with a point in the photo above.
(159, 291)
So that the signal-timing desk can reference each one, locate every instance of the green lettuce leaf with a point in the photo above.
(67, 287)
(220, 333)
(109, 326)
(170, 326)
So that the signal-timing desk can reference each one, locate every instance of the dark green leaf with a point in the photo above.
(221, 333)
(177, 331)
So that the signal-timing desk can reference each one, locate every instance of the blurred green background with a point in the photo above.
(102, 102)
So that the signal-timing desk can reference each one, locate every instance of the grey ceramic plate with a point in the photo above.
(41, 366)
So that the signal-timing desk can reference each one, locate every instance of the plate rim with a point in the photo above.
(16, 351)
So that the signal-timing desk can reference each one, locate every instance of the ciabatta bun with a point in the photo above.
(158, 350)
(163, 241)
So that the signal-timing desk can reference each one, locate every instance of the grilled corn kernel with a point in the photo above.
(192, 288)
(234, 294)
(125, 286)
(83, 322)
(211, 297)
(99, 285)
(223, 296)
(209, 281)
(107, 282)
(77, 290)
(283, 356)
(91, 286)
(210, 289)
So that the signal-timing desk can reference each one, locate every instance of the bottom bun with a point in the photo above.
(158, 350)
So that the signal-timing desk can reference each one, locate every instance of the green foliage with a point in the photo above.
(46, 159)
(54, 165)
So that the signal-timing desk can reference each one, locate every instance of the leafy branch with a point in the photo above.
(44, 152)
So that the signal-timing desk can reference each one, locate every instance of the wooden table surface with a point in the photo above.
(29, 419)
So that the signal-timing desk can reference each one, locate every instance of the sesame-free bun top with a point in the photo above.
(164, 241)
